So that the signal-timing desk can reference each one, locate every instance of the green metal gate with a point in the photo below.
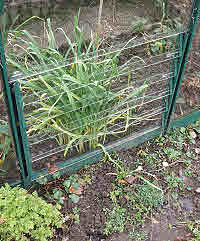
(157, 83)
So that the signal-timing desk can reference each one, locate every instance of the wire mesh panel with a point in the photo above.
(105, 73)
(97, 96)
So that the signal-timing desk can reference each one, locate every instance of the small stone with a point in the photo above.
(197, 190)
(193, 134)
(154, 221)
(139, 168)
(165, 164)
(197, 150)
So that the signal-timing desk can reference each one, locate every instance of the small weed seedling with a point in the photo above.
(76, 216)
(174, 182)
(139, 236)
(73, 188)
(70, 187)
(139, 25)
(160, 140)
(194, 228)
(172, 154)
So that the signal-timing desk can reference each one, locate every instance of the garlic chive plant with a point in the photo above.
(78, 100)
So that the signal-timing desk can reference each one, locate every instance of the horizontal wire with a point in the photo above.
(138, 120)
(93, 83)
(53, 137)
(60, 134)
(81, 126)
(73, 129)
(108, 53)
(111, 108)
(100, 100)
(63, 147)
(23, 77)
(160, 95)
(197, 65)
(149, 78)
(129, 71)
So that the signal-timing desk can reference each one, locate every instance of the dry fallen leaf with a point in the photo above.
(123, 182)
(126, 197)
(52, 168)
(77, 191)
(54, 158)
(197, 150)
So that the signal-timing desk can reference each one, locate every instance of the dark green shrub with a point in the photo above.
(26, 216)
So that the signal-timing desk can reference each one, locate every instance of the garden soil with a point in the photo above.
(167, 222)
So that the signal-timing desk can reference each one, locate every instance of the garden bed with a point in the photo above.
(142, 72)
(117, 205)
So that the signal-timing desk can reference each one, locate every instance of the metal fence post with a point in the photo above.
(12, 115)
(187, 41)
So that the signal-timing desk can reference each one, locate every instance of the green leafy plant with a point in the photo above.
(174, 182)
(5, 140)
(76, 216)
(76, 102)
(26, 216)
(171, 153)
(5, 144)
(71, 187)
(194, 227)
(11, 33)
(150, 196)
(162, 4)
(161, 46)
(116, 219)
(139, 25)
(142, 235)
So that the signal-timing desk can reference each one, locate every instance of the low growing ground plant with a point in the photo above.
(26, 216)
(150, 196)
(71, 187)
(116, 220)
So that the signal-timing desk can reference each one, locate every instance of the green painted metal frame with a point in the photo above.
(12, 111)
(186, 47)
(23, 139)
(173, 68)
(14, 103)
(183, 45)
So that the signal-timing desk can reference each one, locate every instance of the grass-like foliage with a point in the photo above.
(78, 95)
(5, 144)
(25, 216)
